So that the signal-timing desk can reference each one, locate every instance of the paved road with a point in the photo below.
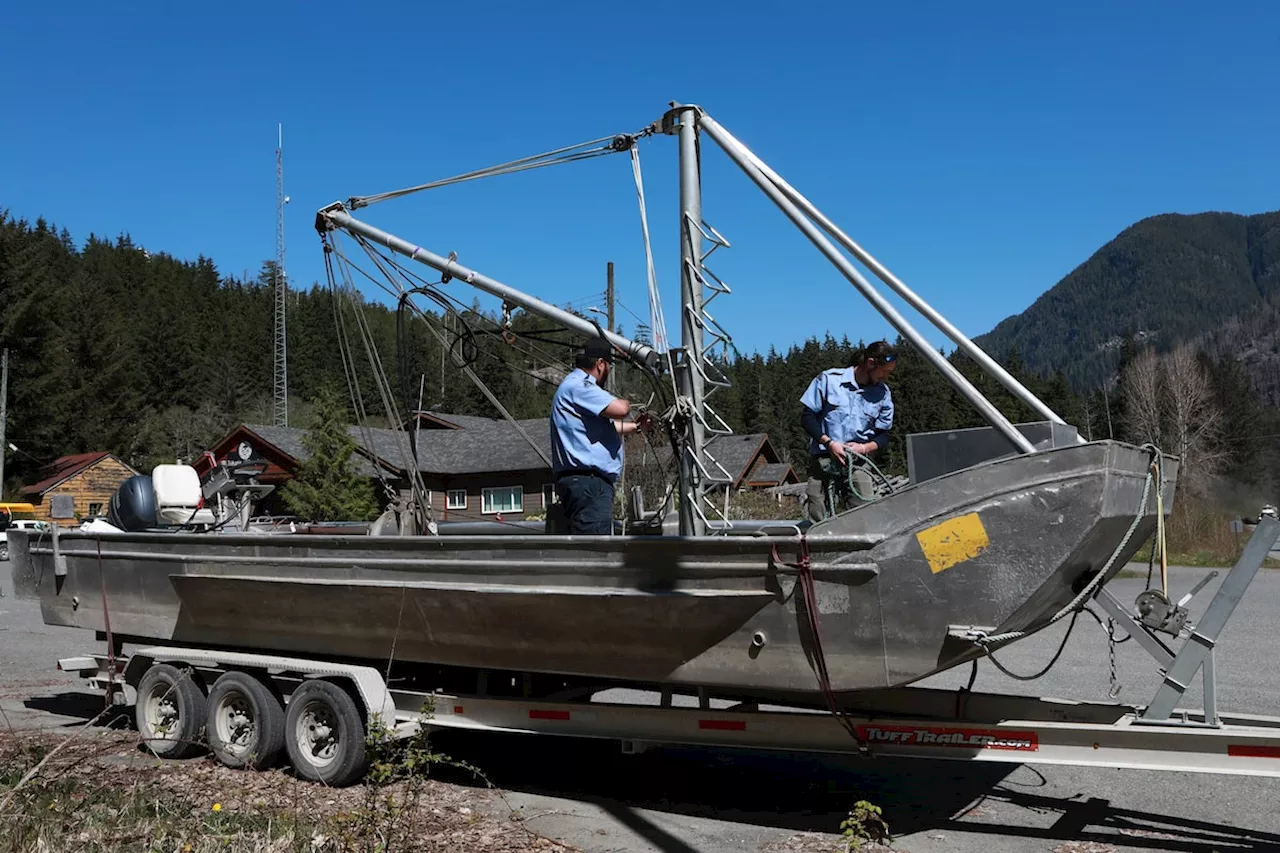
(703, 800)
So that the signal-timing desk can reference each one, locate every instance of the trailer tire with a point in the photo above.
(245, 726)
(325, 734)
(170, 711)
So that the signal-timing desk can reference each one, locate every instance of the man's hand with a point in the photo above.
(866, 449)
(646, 424)
(836, 449)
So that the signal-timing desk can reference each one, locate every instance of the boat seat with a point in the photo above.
(179, 499)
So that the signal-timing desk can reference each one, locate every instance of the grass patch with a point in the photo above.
(101, 792)
(1196, 534)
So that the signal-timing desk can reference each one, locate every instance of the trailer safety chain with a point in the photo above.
(804, 575)
(1076, 605)
(1111, 654)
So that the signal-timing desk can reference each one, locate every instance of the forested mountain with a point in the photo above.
(1252, 339)
(1166, 279)
(116, 348)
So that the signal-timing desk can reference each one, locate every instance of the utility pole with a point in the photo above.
(281, 383)
(4, 411)
(608, 296)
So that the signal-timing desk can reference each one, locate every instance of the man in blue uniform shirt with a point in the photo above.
(848, 409)
(586, 442)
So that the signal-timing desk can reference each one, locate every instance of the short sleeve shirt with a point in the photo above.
(580, 436)
(849, 411)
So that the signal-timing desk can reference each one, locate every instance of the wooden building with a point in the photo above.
(75, 488)
(475, 468)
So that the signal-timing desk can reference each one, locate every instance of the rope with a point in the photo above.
(1158, 465)
(559, 156)
(846, 482)
(1090, 588)
(656, 319)
(466, 369)
(804, 570)
(381, 383)
(1158, 543)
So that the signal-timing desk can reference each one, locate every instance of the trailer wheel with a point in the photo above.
(325, 734)
(245, 724)
(170, 711)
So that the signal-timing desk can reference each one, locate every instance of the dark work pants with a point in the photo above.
(587, 503)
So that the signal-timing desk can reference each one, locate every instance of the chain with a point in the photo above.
(1111, 652)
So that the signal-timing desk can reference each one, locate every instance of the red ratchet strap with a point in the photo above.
(804, 572)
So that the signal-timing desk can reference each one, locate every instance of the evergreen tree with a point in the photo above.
(326, 487)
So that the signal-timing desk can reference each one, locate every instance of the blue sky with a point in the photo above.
(980, 150)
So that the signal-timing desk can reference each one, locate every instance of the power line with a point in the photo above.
(624, 307)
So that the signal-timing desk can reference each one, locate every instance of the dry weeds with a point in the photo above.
(101, 792)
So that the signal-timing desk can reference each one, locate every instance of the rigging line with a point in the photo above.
(568, 154)
(353, 381)
(659, 330)
(348, 360)
(484, 389)
(349, 367)
(401, 437)
(529, 373)
(431, 291)
(460, 307)
(385, 391)
(460, 359)
(441, 299)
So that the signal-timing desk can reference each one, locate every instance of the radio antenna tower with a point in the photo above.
(281, 287)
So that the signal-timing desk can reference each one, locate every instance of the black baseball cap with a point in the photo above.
(598, 348)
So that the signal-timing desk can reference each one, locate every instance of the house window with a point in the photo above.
(95, 509)
(502, 499)
(455, 499)
(549, 496)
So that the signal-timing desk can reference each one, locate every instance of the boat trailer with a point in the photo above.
(908, 721)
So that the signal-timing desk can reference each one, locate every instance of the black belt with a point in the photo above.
(582, 472)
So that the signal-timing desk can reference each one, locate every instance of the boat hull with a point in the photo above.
(1000, 546)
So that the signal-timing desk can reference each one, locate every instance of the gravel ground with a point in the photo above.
(679, 800)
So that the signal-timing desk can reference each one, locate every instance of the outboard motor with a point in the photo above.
(133, 506)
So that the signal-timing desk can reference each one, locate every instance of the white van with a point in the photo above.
(21, 524)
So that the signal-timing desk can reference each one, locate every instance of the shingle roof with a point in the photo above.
(485, 445)
(460, 421)
(63, 468)
(289, 440)
(480, 445)
(772, 474)
(734, 452)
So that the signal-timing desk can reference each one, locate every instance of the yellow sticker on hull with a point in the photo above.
(953, 541)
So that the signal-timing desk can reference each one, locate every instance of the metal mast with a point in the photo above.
(281, 385)
(689, 377)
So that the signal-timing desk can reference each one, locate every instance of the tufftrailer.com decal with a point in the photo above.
(940, 736)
